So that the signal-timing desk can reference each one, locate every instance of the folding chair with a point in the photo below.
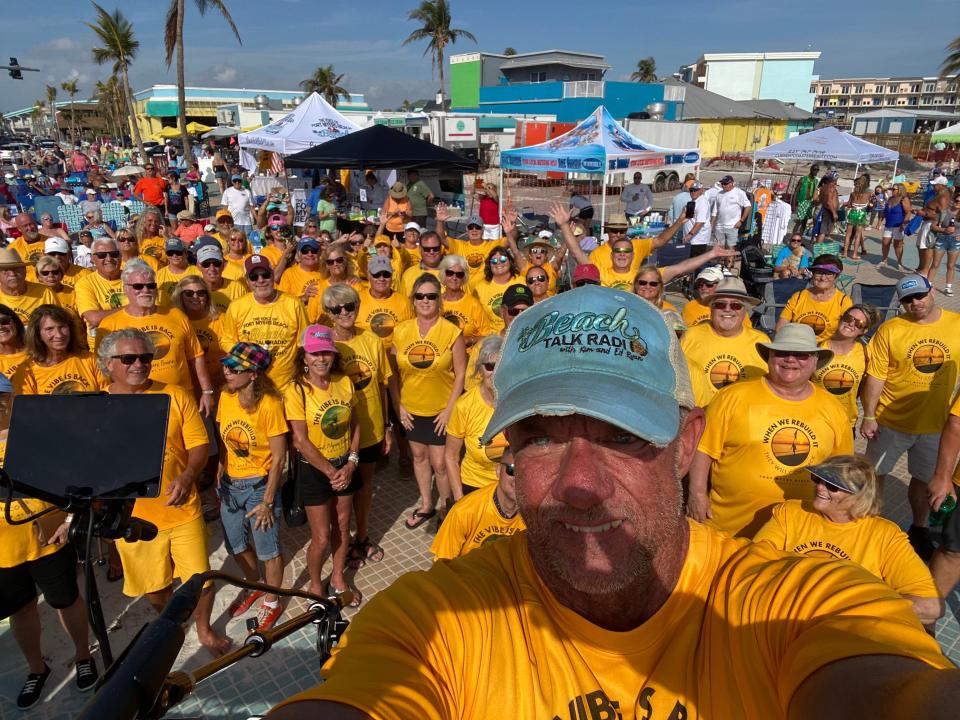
(71, 216)
(671, 255)
(881, 296)
(775, 296)
(115, 214)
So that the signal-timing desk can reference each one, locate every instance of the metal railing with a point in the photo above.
(583, 88)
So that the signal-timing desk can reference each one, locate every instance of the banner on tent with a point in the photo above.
(588, 164)
(300, 208)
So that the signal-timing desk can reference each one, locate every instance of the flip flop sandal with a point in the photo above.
(419, 518)
(357, 555)
(357, 597)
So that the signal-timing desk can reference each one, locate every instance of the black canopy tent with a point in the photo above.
(379, 147)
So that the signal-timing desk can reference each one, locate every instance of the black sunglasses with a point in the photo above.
(514, 311)
(336, 261)
(508, 468)
(430, 248)
(259, 275)
(131, 358)
(456, 273)
(211, 263)
(195, 293)
(535, 279)
(914, 297)
(337, 309)
(141, 286)
(104, 255)
(425, 296)
(581, 283)
(174, 253)
(382, 274)
(832, 487)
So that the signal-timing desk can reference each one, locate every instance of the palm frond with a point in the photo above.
(170, 31)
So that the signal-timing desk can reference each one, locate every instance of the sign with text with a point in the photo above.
(300, 209)
(460, 129)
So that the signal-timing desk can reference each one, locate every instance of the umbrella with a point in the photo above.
(128, 170)
(167, 133)
(220, 132)
(195, 128)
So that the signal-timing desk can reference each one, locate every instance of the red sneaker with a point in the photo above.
(244, 600)
(267, 616)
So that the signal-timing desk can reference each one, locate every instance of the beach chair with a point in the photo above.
(882, 296)
(671, 255)
(775, 296)
(71, 216)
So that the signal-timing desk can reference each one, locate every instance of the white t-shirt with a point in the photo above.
(730, 206)
(238, 202)
(701, 214)
(68, 198)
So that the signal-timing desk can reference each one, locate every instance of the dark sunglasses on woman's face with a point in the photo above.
(648, 283)
(425, 296)
(309, 251)
(174, 253)
(335, 261)
(456, 274)
(345, 307)
(50, 273)
(195, 293)
(536, 279)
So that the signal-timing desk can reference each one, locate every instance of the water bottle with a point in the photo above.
(939, 517)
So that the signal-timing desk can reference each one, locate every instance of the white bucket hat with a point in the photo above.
(796, 337)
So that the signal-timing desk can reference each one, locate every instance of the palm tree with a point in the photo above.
(173, 41)
(951, 63)
(510, 51)
(108, 99)
(326, 82)
(52, 104)
(71, 89)
(434, 17)
(37, 115)
(119, 46)
(406, 106)
(646, 71)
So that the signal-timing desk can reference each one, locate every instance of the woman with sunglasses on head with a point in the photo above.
(364, 360)
(321, 409)
(468, 421)
(431, 361)
(460, 306)
(843, 520)
(13, 353)
(59, 361)
(843, 374)
(499, 272)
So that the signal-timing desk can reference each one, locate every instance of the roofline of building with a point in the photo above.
(529, 54)
(885, 79)
(802, 55)
(60, 104)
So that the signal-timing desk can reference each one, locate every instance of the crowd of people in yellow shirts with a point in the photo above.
(295, 372)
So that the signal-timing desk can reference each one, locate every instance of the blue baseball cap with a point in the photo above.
(308, 242)
(623, 349)
(912, 285)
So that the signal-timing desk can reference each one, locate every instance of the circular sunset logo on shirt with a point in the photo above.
(817, 322)
(495, 304)
(421, 356)
(359, 372)
(475, 260)
(791, 446)
(160, 342)
(724, 373)
(454, 318)
(238, 440)
(335, 421)
(838, 381)
(382, 324)
(67, 387)
(928, 359)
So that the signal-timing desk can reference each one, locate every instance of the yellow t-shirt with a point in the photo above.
(823, 317)
(602, 255)
(410, 276)
(490, 294)
(167, 280)
(759, 444)
(467, 314)
(841, 377)
(382, 315)
(364, 361)
(233, 268)
(29, 252)
(14, 367)
(230, 290)
(715, 361)
(278, 326)
(295, 281)
(327, 413)
(274, 254)
(33, 297)
(172, 334)
(185, 431)
(78, 373)
(470, 417)
(874, 543)
(482, 638)
(246, 435)
(473, 521)
(918, 363)
(148, 259)
(21, 543)
(154, 248)
(425, 365)
(208, 335)
(695, 312)
(617, 280)
(475, 255)
(95, 292)
(66, 298)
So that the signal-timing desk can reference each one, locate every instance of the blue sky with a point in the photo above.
(283, 40)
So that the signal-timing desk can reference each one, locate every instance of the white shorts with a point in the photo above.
(926, 239)
(886, 447)
(895, 233)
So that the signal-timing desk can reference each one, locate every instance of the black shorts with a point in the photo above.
(371, 453)
(54, 574)
(315, 487)
(700, 249)
(950, 534)
(423, 432)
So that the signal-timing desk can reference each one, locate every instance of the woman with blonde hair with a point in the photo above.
(237, 251)
(50, 273)
(843, 521)
(460, 306)
(151, 234)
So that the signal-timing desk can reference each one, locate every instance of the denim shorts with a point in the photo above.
(947, 243)
(237, 498)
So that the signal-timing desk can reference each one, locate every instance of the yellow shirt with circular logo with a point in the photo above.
(470, 417)
(467, 314)
(14, 367)
(841, 377)
(473, 522)
(33, 297)
(78, 373)
(474, 254)
(95, 292)
(326, 413)
(490, 294)
(382, 315)
(425, 365)
(715, 361)
(823, 317)
(295, 281)
(364, 361)
(246, 434)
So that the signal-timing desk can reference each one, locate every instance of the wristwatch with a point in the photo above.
(354, 458)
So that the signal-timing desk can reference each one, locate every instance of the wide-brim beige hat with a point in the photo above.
(732, 287)
(10, 258)
(796, 337)
(398, 191)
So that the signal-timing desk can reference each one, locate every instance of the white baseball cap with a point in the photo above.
(412, 226)
(56, 244)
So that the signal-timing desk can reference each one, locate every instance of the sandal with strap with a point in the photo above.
(357, 597)
(356, 555)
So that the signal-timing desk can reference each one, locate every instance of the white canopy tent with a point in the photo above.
(830, 145)
(311, 123)
(949, 134)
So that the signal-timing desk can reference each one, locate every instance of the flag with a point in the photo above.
(276, 163)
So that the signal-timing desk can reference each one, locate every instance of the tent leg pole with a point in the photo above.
(603, 203)
(895, 163)
(856, 172)
(753, 169)
(500, 191)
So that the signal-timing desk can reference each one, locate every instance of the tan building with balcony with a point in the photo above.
(844, 97)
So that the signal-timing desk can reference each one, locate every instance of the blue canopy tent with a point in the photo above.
(598, 145)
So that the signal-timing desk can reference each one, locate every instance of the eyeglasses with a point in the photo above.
(337, 309)
(474, 227)
(727, 305)
(581, 283)
(499, 260)
(142, 286)
(335, 261)
(356, 242)
(538, 251)
(131, 358)
(430, 248)
(50, 273)
(211, 263)
(536, 279)
(514, 311)
(708, 283)
(489, 366)
(104, 255)
(195, 293)
(622, 251)
(793, 354)
(914, 297)
(508, 468)
(829, 485)
(851, 320)
(125, 238)
(309, 251)
(647, 283)
(382, 275)
(259, 275)
(174, 253)
(456, 273)
(426, 296)
(796, 240)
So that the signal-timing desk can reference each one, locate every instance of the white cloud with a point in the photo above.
(225, 74)
(60, 44)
